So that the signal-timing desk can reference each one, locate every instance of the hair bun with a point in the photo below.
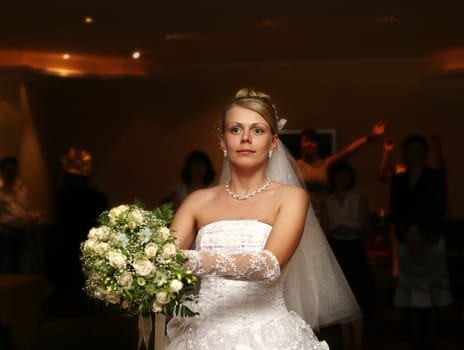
(250, 93)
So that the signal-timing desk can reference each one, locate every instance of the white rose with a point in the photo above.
(93, 233)
(157, 307)
(151, 249)
(101, 233)
(90, 244)
(99, 294)
(175, 286)
(143, 267)
(169, 250)
(102, 248)
(116, 212)
(116, 259)
(162, 297)
(136, 216)
(95, 276)
(165, 232)
(112, 298)
(104, 233)
(132, 225)
(125, 280)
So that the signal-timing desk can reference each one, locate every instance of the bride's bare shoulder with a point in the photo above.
(205, 194)
(290, 192)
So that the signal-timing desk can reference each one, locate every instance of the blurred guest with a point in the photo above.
(345, 219)
(197, 173)
(78, 205)
(386, 170)
(16, 221)
(418, 207)
(314, 168)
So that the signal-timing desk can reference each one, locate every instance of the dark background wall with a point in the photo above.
(139, 130)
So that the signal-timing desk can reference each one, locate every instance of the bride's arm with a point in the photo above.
(184, 223)
(265, 265)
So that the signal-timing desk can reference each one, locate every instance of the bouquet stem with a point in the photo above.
(160, 331)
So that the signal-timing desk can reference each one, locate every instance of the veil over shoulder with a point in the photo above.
(315, 286)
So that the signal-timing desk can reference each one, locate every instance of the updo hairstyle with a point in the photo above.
(256, 101)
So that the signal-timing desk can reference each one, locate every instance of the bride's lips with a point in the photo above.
(245, 151)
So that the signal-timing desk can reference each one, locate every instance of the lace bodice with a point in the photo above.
(239, 312)
(237, 238)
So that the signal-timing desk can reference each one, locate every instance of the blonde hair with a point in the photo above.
(256, 101)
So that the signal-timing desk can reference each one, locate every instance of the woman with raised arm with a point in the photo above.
(314, 168)
(264, 264)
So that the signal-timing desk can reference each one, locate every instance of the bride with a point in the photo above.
(267, 274)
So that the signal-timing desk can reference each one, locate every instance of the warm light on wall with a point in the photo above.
(452, 59)
(88, 20)
(63, 72)
(63, 65)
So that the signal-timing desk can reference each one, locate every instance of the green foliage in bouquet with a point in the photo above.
(130, 261)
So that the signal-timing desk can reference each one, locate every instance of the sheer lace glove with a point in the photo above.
(260, 266)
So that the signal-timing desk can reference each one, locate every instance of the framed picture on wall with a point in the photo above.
(327, 147)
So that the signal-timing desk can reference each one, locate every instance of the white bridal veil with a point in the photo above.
(315, 286)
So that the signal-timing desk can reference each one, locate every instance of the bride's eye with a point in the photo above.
(235, 130)
(257, 131)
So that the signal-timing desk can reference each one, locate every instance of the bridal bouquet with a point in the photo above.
(130, 261)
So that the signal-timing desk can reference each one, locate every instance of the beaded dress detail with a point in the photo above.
(244, 310)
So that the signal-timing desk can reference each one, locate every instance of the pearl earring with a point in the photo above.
(225, 153)
(269, 155)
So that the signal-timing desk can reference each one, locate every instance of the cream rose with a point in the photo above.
(116, 212)
(99, 294)
(162, 297)
(101, 233)
(102, 248)
(125, 280)
(112, 298)
(143, 267)
(90, 244)
(95, 276)
(151, 249)
(157, 307)
(116, 259)
(136, 216)
(93, 233)
(169, 250)
(175, 286)
(165, 232)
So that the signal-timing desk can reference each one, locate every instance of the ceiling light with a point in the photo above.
(88, 20)
(136, 55)
(66, 56)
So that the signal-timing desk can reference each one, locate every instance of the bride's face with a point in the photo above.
(247, 136)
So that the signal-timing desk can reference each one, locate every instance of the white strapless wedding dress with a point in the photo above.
(240, 315)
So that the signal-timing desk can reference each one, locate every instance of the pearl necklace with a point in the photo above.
(248, 195)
